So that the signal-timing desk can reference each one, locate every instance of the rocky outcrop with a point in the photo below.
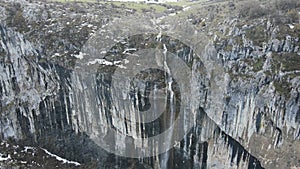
(244, 88)
(260, 99)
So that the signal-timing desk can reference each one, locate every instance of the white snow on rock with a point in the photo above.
(4, 158)
(101, 62)
(291, 26)
(117, 63)
(122, 67)
(55, 55)
(79, 56)
(129, 49)
(26, 148)
(61, 159)
(186, 8)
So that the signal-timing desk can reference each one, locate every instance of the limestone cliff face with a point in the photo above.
(244, 90)
(261, 107)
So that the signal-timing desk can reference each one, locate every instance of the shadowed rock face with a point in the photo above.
(247, 111)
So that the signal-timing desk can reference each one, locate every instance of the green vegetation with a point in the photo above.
(17, 20)
(258, 64)
(140, 7)
(286, 62)
(285, 30)
(238, 40)
(7, 107)
(293, 15)
(137, 6)
(251, 10)
(76, 0)
(275, 64)
(237, 74)
(287, 4)
(283, 87)
(183, 3)
(294, 75)
(257, 34)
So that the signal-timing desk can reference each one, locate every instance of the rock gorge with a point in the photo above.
(58, 92)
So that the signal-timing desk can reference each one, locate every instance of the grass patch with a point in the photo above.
(285, 30)
(237, 74)
(238, 40)
(183, 3)
(257, 34)
(257, 63)
(16, 19)
(140, 7)
(137, 6)
(76, 1)
(283, 87)
(275, 63)
(286, 62)
(294, 75)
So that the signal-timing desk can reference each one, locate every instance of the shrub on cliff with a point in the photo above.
(287, 4)
(252, 10)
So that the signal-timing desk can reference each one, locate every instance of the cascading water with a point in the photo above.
(171, 114)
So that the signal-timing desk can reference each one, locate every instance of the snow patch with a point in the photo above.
(4, 158)
(291, 26)
(100, 61)
(61, 159)
(128, 50)
(186, 8)
(117, 63)
(122, 67)
(26, 148)
(80, 55)
(55, 55)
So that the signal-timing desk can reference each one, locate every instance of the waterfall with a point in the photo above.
(169, 119)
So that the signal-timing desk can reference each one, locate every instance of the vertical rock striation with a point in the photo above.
(244, 94)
